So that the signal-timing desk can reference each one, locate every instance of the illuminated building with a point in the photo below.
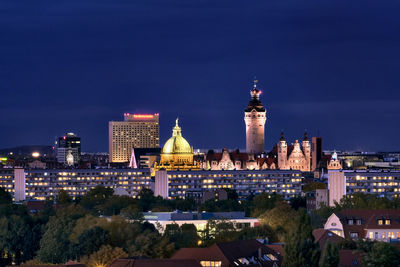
(193, 184)
(36, 184)
(255, 117)
(177, 153)
(68, 149)
(136, 131)
(294, 157)
(346, 182)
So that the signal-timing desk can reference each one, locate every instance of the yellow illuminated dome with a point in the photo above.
(177, 150)
(176, 144)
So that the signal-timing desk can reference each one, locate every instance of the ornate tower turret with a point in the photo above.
(307, 151)
(282, 153)
(255, 117)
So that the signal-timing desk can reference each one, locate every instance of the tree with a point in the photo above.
(309, 187)
(264, 202)
(298, 202)
(91, 240)
(300, 249)
(382, 254)
(330, 256)
(5, 197)
(132, 212)
(280, 218)
(63, 198)
(104, 256)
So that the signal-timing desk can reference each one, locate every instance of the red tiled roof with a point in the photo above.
(230, 252)
(155, 263)
(369, 220)
(323, 236)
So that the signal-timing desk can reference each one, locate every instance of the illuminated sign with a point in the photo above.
(142, 116)
(3, 159)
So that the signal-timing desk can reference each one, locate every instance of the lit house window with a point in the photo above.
(387, 222)
(380, 222)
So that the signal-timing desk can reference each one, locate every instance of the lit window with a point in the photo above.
(387, 222)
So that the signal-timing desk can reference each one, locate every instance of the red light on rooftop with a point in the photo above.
(143, 116)
(64, 137)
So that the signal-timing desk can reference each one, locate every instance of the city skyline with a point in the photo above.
(332, 75)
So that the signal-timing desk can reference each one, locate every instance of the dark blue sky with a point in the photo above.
(332, 67)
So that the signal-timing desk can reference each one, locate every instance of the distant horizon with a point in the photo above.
(330, 67)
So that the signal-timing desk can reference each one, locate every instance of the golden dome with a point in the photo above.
(177, 144)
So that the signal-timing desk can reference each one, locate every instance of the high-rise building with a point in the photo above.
(255, 117)
(136, 131)
(316, 152)
(68, 149)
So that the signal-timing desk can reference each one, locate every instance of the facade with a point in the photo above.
(13, 181)
(193, 184)
(294, 157)
(236, 160)
(177, 153)
(346, 182)
(255, 117)
(36, 184)
(375, 225)
(199, 220)
(68, 149)
(136, 131)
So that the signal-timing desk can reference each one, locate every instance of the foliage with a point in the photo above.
(368, 201)
(310, 187)
(382, 254)
(5, 197)
(183, 236)
(280, 219)
(300, 249)
(104, 256)
(263, 202)
(63, 198)
(330, 256)
(220, 206)
(298, 202)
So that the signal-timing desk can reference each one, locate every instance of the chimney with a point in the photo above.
(259, 253)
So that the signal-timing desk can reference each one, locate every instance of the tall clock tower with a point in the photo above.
(255, 117)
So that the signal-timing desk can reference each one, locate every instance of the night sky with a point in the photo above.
(331, 67)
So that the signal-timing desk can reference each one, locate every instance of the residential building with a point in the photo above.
(232, 254)
(136, 131)
(255, 117)
(346, 182)
(376, 225)
(36, 184)
(193, 184)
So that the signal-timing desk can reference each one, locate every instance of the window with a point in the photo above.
(211, 263)
(354, 235)
(387, 222)
(371, 235)
(350, 222)
(383, 235)
(380, 222)
(358, 222)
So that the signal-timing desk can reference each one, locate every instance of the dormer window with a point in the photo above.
(350, 222)
(358, 222)
(387, 222)
(380, 222)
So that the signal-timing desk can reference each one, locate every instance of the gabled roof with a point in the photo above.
(155, 263)
(369, 220)
(323, 236)
(229, 253)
